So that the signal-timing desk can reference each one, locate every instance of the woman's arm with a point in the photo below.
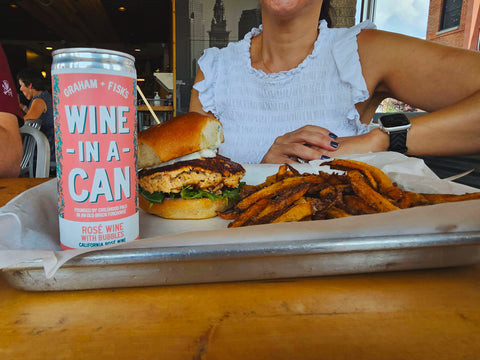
(454, 130)
(444, 81)
(10, 145)
(37, 108)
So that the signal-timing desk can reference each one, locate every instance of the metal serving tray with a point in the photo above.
(252, 261)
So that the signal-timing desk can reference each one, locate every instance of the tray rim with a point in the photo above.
(265, 249)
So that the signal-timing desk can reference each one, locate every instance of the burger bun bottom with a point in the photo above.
(184, 209)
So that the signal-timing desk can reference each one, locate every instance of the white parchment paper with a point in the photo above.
(29, 222)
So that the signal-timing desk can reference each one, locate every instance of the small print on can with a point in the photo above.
(94, 95)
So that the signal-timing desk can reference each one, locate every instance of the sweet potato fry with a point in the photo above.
(410, 198)
(382, 181)
(320, 206)
(291, 196)
(371, 197)
(285, 171)
(282, 170)
(334, 179)
(329, 192)
(393, 192)
(249, 213)
(268, 191)
(334, 189)
(271, 179)
(441, 198)
(315, 189)
(356, 205)
(280, 205)
(302, 200)
(295, 213)
(247, 190)
(268, 181)
(335, 212)
(275, 188)
(227, 215)
(292, 170)
(345, 165)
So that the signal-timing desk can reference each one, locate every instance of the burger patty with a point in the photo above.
(210, 174)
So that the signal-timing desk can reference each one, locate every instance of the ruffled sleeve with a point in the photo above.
(208, 63)
(345, 53)
(347, 60)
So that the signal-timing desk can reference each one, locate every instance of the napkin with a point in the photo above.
(29, 222)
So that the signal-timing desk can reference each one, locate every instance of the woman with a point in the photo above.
(287, 90)
(10, 120)
(41, 104)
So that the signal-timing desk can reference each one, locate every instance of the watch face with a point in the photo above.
(394, 120)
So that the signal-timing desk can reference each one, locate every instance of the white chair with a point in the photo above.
(35, 143)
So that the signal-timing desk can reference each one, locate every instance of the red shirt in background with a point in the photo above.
(8, 92)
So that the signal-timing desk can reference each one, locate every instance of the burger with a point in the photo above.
(181, 175)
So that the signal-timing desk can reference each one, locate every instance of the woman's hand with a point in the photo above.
(306, 143)
(373, 141)
(314, 143)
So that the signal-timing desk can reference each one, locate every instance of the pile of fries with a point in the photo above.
(359, 189)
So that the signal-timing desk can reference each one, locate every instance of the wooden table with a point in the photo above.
(430, 314)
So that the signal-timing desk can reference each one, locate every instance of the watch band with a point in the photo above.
(398, 141)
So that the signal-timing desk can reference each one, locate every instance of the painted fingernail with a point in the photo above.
(332, 135)
(324, 157)
(334, 144)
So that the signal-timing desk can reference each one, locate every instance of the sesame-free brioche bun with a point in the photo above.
(179, 136)
(184, 209)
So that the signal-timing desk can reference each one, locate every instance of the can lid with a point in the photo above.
(92, 50)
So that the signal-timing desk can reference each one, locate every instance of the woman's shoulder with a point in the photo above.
(360, 39)
(44, 95)
(353, 31)
(234, 54)
(37, 99)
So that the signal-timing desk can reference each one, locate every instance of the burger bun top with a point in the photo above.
(182, 135)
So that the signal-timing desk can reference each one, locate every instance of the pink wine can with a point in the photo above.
(94, 96)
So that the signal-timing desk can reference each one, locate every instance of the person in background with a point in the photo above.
(296, 89)
(32, 85)
(10, 121)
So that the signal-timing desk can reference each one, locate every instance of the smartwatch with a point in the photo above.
(396, 126)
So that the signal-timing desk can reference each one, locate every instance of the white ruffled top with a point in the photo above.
(255, 107)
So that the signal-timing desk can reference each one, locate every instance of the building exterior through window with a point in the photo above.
(454, 23)
(451, 14)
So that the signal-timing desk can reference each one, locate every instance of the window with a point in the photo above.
(451, 13)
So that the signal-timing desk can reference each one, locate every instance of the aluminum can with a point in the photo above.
(94, 96)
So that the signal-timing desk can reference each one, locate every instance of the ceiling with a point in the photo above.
(36, 24)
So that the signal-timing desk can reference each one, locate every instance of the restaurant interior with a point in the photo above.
(32, 29)
(162, 39)
(397, 307)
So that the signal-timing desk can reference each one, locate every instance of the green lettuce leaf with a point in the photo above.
(189, 192)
